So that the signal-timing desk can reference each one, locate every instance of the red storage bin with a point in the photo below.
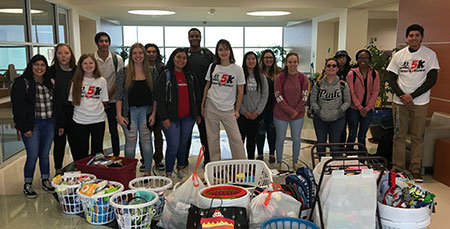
(120, 174)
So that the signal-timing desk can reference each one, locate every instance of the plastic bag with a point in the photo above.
(176, 208)
(348, 201)
(271, 204)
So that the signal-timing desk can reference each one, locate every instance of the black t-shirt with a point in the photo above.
(363, 103)
(62, 83)
(199, 63)
(140, 94)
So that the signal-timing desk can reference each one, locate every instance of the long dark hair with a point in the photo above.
(28, 73)
(170, 63)
(227, 45)
(255, 71)
(272, 71)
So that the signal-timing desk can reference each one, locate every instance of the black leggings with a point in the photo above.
(82, 133)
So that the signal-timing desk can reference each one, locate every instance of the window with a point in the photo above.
(129, 35)
(151, 34)
(13, 24)
(177, 36)
(42, 22)
(235, 35)
(263, 36)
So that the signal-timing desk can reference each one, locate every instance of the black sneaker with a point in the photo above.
(160, 166)
(271, 159)
(47, 186)
(28, 191)
(142, 168)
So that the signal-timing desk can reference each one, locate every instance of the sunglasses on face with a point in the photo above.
(331, 65)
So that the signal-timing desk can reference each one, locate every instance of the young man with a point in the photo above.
(157, 66)
(199, 60)
(412, 73)
(110, 64)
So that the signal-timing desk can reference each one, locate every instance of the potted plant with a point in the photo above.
(382, 118)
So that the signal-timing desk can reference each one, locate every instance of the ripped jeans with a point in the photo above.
(138, 124)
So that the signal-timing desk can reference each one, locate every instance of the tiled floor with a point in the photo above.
(43, 212)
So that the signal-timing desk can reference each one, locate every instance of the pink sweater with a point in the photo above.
(357, 88)
(291, 96)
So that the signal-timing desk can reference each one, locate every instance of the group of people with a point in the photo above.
(71, 101)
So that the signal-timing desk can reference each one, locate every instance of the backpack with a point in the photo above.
(115, 61)
(306, 186)
(384, 148)
(213, 66)
(168, 88)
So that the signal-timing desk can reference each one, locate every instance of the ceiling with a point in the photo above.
(227, 12)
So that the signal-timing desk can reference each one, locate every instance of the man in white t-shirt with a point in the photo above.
(412, 73)
(110, 65)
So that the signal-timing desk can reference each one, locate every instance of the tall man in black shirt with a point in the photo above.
(199, 60)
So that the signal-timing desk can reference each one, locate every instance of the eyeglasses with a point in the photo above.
(363, 58)
(268, 57)
(331, 65)
(194, 36)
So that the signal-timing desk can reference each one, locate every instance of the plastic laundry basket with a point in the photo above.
(133, 216)
(67, 194)
(207, 202)
(288, 223)
(97, 208)
(399, 218)
(246, 173)
(158, 184)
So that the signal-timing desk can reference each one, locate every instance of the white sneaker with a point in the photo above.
(181, 174)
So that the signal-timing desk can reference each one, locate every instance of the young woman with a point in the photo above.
(178, 95)
(256, 92)
(343, 60)
(220, 104)
(62, 71)
(364, 84)
(291, 92)
(268, 67)
(34, 112)
(330, 98)
(88, 94)
(135, 105)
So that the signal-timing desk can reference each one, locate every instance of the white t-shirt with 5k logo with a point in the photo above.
(225, 80)
(412, 70)
(93, 93)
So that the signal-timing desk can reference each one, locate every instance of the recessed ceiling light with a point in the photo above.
(151, 12)
(18, 11)
(268, 13)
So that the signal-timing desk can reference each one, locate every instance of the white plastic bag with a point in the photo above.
(272, 204)
(176, 209)
(347, 201)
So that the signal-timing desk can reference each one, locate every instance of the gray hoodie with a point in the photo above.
(254, 99)
(327, 101)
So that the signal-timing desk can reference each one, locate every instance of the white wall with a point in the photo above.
(297, 38)
(88, 29)
(326, 42)
(385, 30)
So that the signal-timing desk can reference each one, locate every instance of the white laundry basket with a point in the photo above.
(133, 216)
(67, 194)
(403, 218)
(246, 173)
(158, 184)
(97, 208)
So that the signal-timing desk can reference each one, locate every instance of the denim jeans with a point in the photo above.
(296, 131)
(38, 146)
(138, 124)
(333, 130)
(177, 137)
(354, 118)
